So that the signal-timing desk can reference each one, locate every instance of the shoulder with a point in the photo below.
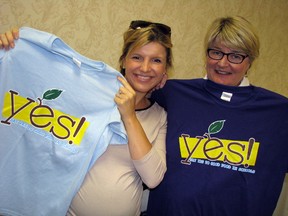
(174, 87)
(157, 109)
(184, 82)
(178, 84)
(34, 34)
(265, 94)
(154, 112)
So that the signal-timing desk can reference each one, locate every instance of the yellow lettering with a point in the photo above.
(230, 151)
(61, 125)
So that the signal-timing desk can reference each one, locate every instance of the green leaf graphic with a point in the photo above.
(51, 94)
(216, 126)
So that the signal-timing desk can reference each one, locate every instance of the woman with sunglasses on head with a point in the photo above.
(227, 151)
(113, 186)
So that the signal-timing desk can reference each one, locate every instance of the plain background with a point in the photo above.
(94, 28)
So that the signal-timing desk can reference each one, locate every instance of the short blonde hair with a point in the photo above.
(234, 32)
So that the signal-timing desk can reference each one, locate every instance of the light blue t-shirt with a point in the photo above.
(57, 117)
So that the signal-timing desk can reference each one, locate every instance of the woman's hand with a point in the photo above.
(125, 99)
(138, 142)
(161, 83)
(8, 38)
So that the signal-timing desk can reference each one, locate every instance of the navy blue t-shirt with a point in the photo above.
(227, 150)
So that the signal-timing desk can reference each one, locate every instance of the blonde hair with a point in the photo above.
(234, 32)
(135, 38)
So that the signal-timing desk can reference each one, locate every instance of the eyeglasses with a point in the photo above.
(164, 29)
(234, 58)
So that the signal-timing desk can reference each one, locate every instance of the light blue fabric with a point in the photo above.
(40, 170)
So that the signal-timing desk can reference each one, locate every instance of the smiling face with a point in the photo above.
(224, 72)
(145, 66)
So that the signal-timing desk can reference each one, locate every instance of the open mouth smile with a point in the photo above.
(223, 72)
(143, 77)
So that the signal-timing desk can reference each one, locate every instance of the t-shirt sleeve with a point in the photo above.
(152, 166)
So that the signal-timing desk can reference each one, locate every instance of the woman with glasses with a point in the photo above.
(113, 186)
(227, 151)
(232, 46)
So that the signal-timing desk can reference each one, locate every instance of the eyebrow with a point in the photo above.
(153, 56)
(232, 51)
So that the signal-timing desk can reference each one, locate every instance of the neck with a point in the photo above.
(141, 102)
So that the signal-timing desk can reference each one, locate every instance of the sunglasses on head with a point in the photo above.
(136, 24)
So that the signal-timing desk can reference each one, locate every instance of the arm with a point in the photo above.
(152, 166)
(138, 142)
(149, 159)
(7, 39)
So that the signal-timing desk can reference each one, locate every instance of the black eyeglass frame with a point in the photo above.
(227, 54)
(135, 24)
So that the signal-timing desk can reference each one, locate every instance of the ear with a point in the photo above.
(124, 63)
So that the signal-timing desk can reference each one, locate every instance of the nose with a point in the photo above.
(224, 61)
(145, 66)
